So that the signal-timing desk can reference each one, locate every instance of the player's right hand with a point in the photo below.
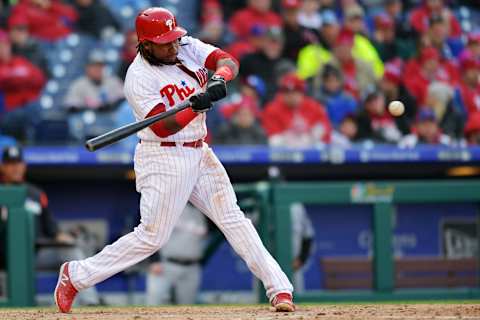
(201, 102)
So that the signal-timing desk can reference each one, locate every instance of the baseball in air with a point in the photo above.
(396, 108)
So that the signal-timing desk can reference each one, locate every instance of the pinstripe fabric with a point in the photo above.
(167, 177)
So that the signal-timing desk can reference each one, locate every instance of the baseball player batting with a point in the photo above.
(173, 164)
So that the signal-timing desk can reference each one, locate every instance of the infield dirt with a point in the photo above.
(337, 312)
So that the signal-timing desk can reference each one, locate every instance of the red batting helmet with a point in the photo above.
(158, 25)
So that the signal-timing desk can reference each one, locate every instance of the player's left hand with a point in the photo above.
(201, 102)
(217, 88)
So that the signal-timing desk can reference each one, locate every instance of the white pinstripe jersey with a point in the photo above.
(146, 86)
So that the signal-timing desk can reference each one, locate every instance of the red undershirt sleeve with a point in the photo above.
(182, 118)
(225, 71)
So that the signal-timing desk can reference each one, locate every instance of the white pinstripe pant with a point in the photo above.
(168, 177)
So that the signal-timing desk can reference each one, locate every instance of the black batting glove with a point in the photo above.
(217, 88)
(201, 102)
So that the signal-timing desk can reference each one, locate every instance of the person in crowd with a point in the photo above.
(419, 17)
(24, 45)
(312, 57)
(472, 129)
(257, 12)
(472, 48)
(467, 93)
(423, 70)
(269, 58)
(395, 10)
(293, 119)
(94, 18)
(386, 41)
(93, 98)
(53, 246)
(296, 35)
(346, 133)
(440, 99)
(48, 20)
(129, 52)
(252, 44)
(426, 130)
(241, 126)
(437, 36)
(393, 88)
(20, 83)
(309, 15)
(363, 48)
(174, 274)
(329, 91)
(212, 26)
(374, 122)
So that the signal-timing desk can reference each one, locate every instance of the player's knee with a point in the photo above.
(152, 238)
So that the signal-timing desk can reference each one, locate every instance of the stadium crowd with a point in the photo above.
(312, 72)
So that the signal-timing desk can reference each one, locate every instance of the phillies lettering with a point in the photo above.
(170, 89)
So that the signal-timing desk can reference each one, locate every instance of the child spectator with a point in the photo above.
(425, 131)
(48, 20)
(346, 133)
(242, 126)
(293, 119)
(375, 122)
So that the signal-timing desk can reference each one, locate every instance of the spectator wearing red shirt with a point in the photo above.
(420, 16)
(48, 20)
(257, 12)
(293, 119)
(473, 46)
(424, 69)
(20, 80)
(468, 91)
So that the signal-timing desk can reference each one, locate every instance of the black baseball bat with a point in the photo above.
(131, 128)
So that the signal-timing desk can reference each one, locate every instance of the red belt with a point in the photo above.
(193, 144)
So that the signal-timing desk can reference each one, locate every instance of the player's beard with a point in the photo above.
(151, 59)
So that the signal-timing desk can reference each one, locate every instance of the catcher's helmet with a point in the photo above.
(158, 25)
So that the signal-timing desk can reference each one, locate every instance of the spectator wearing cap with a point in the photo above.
(257, 12)
(374, 121)
(425, 131)
(20, 83)
(242, 126)
(94, 18)
(24, 45)
(330, 92)
(386, 42)
(96, 92)
(213, 28)
(312, 57)
(472, 129)
(440, 100)
(53, 246)
(472, 48)
(242, 47)
(293, 119)
(423, 70)
(129, 52)
(267, 63)
(393, 88)
(419, 17)
(296, 35)
(309, 15)
(467, 93)
(48, 20)
(363, 47)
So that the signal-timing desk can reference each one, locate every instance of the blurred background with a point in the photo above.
(355, 204)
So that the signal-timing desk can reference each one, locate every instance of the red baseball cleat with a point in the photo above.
(283, 302)
(64, 291)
